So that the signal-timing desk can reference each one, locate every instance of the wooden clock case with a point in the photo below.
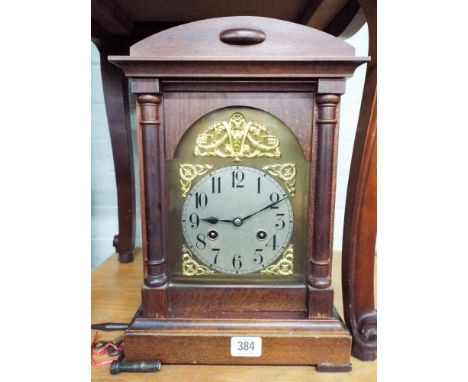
(179, 75)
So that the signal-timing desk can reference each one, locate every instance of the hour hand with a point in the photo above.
(215, 220)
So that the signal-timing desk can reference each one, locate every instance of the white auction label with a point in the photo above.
(246, 346)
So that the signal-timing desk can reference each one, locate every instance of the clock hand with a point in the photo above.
(238, 221)
(215, 220)
(263, 209)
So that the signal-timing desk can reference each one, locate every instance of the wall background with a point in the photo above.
(104, 224)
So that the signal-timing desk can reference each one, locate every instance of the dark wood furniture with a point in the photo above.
(182, 74)
(117, 24)
(360, 224)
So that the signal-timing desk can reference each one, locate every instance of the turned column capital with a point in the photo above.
(332, 99)
(149, 109)
(149, 99)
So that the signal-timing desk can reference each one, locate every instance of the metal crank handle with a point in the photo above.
(120, 366)
(110, 326)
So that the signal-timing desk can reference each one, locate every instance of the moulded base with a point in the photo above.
(322, 342)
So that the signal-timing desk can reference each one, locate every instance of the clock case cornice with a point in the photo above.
(288, 50)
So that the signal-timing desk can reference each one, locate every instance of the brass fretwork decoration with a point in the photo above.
(237, 139)
(284, 266)
(188, 172)
(286, 172)
(190, 267)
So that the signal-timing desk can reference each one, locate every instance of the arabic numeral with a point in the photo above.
(236, 262)
(245, 345)
(237, 179)
(194, 219)
(272, 241)
(258, 184)
(201, 243)
(274, 197)
(216, 185)
(216, 255)
(258, 258)
(281, 223)
(201, 200)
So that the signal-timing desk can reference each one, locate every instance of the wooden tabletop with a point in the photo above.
(116, 296)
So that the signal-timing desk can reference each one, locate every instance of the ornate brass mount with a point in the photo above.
(284, 266)
(286, 172)
(190, 267)
(237, 139)
(188, 172)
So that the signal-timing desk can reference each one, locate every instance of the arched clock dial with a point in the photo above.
(237, 220)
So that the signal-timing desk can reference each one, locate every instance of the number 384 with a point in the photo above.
(245, 345)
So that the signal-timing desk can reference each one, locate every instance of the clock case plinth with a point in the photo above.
(322, 342)
(295, 73)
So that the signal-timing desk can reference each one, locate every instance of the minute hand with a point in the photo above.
(264, 208)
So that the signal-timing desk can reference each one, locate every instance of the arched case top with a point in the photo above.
(240, 46)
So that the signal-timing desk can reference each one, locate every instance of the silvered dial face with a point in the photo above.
(237, 220)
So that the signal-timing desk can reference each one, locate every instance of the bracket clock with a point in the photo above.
(238, 126)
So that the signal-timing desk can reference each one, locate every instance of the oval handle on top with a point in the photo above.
(242, 36)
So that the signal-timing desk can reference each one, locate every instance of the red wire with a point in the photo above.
(102, 351)
(93, 342)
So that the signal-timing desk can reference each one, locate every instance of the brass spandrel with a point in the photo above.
(191, 267)
(285, 266)
(286, 172)
(188, 172)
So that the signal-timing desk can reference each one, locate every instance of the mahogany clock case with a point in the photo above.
(182, 76)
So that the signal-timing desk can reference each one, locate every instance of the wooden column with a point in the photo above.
(323, 200)
(152, 172)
